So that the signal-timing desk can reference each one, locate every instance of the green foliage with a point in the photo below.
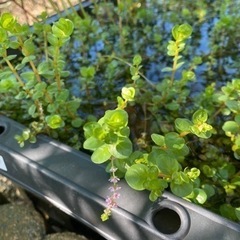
(128, 94)
(109, 137)
(7, 21)
(197, 126)
(181, 32)
(55, 121)
(113, 75)
(38, 84)
(230, 97)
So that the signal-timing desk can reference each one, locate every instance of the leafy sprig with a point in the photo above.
(38, 84)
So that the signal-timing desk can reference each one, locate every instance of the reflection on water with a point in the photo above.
(150, 40)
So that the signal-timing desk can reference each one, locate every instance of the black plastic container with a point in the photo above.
(70, 181)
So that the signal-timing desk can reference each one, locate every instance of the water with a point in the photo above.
(143, 41)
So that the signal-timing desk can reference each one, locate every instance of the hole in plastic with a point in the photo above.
(2, 129)
(167, 221)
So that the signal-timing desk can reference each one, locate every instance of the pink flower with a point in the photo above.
(111, 201)
(114, 179)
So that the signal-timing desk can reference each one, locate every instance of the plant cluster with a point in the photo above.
(173, 127)
(37, 84)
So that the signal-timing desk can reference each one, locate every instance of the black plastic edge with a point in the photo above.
(180, 212)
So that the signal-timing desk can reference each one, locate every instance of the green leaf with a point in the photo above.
(155, 184)
(7, 21)
(88, 72)
(182, 190)
(116, 118)
(39, 90)
(10, 57)
(52, 88)
(181, 32)
(63, 28)
(52, 107)
(8, 84)
(92, 143)
(42, 67)
(137, 60)
(208, 171)
(237, 212)
(77, 122)
(65, 73)
(200, 116)
(125, 131)
(28, 76)
(192, 173)
(188, 75)
(20, 66)
(63, 96)
(136, 175)
(32, 110)
(53, 40)
(164, 160)
(92, 129)
(183, 125)
(173, 106)
(158, 139)
(174, 141)
(128, 93)
(179, 65)
(101, 154)
(233, 105)
(28, 48)
(209, 190)
(202, 131)
(228, 211)
(199, 195)
(21, 95)
(55, 121)
(5, 74)
(154, 195)
(121, 103)
(73, 105)
(122, 149)
(172, 49)
(168, 165)
(28, 59)
(3, 35)
(236, 181)
(167, 69)
(237, 119)
(231, 126)
(227, 171)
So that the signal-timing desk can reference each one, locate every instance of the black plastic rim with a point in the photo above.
(171, 219)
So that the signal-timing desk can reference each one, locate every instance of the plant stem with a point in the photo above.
(55, 8)
(162, 175)
(40, 110)
(35, 71)
(175, 61)
(45, 45)
(145, 117)
(37, 103)
(14, 72)
(55, 63)
(130, 65)
(82, 8)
